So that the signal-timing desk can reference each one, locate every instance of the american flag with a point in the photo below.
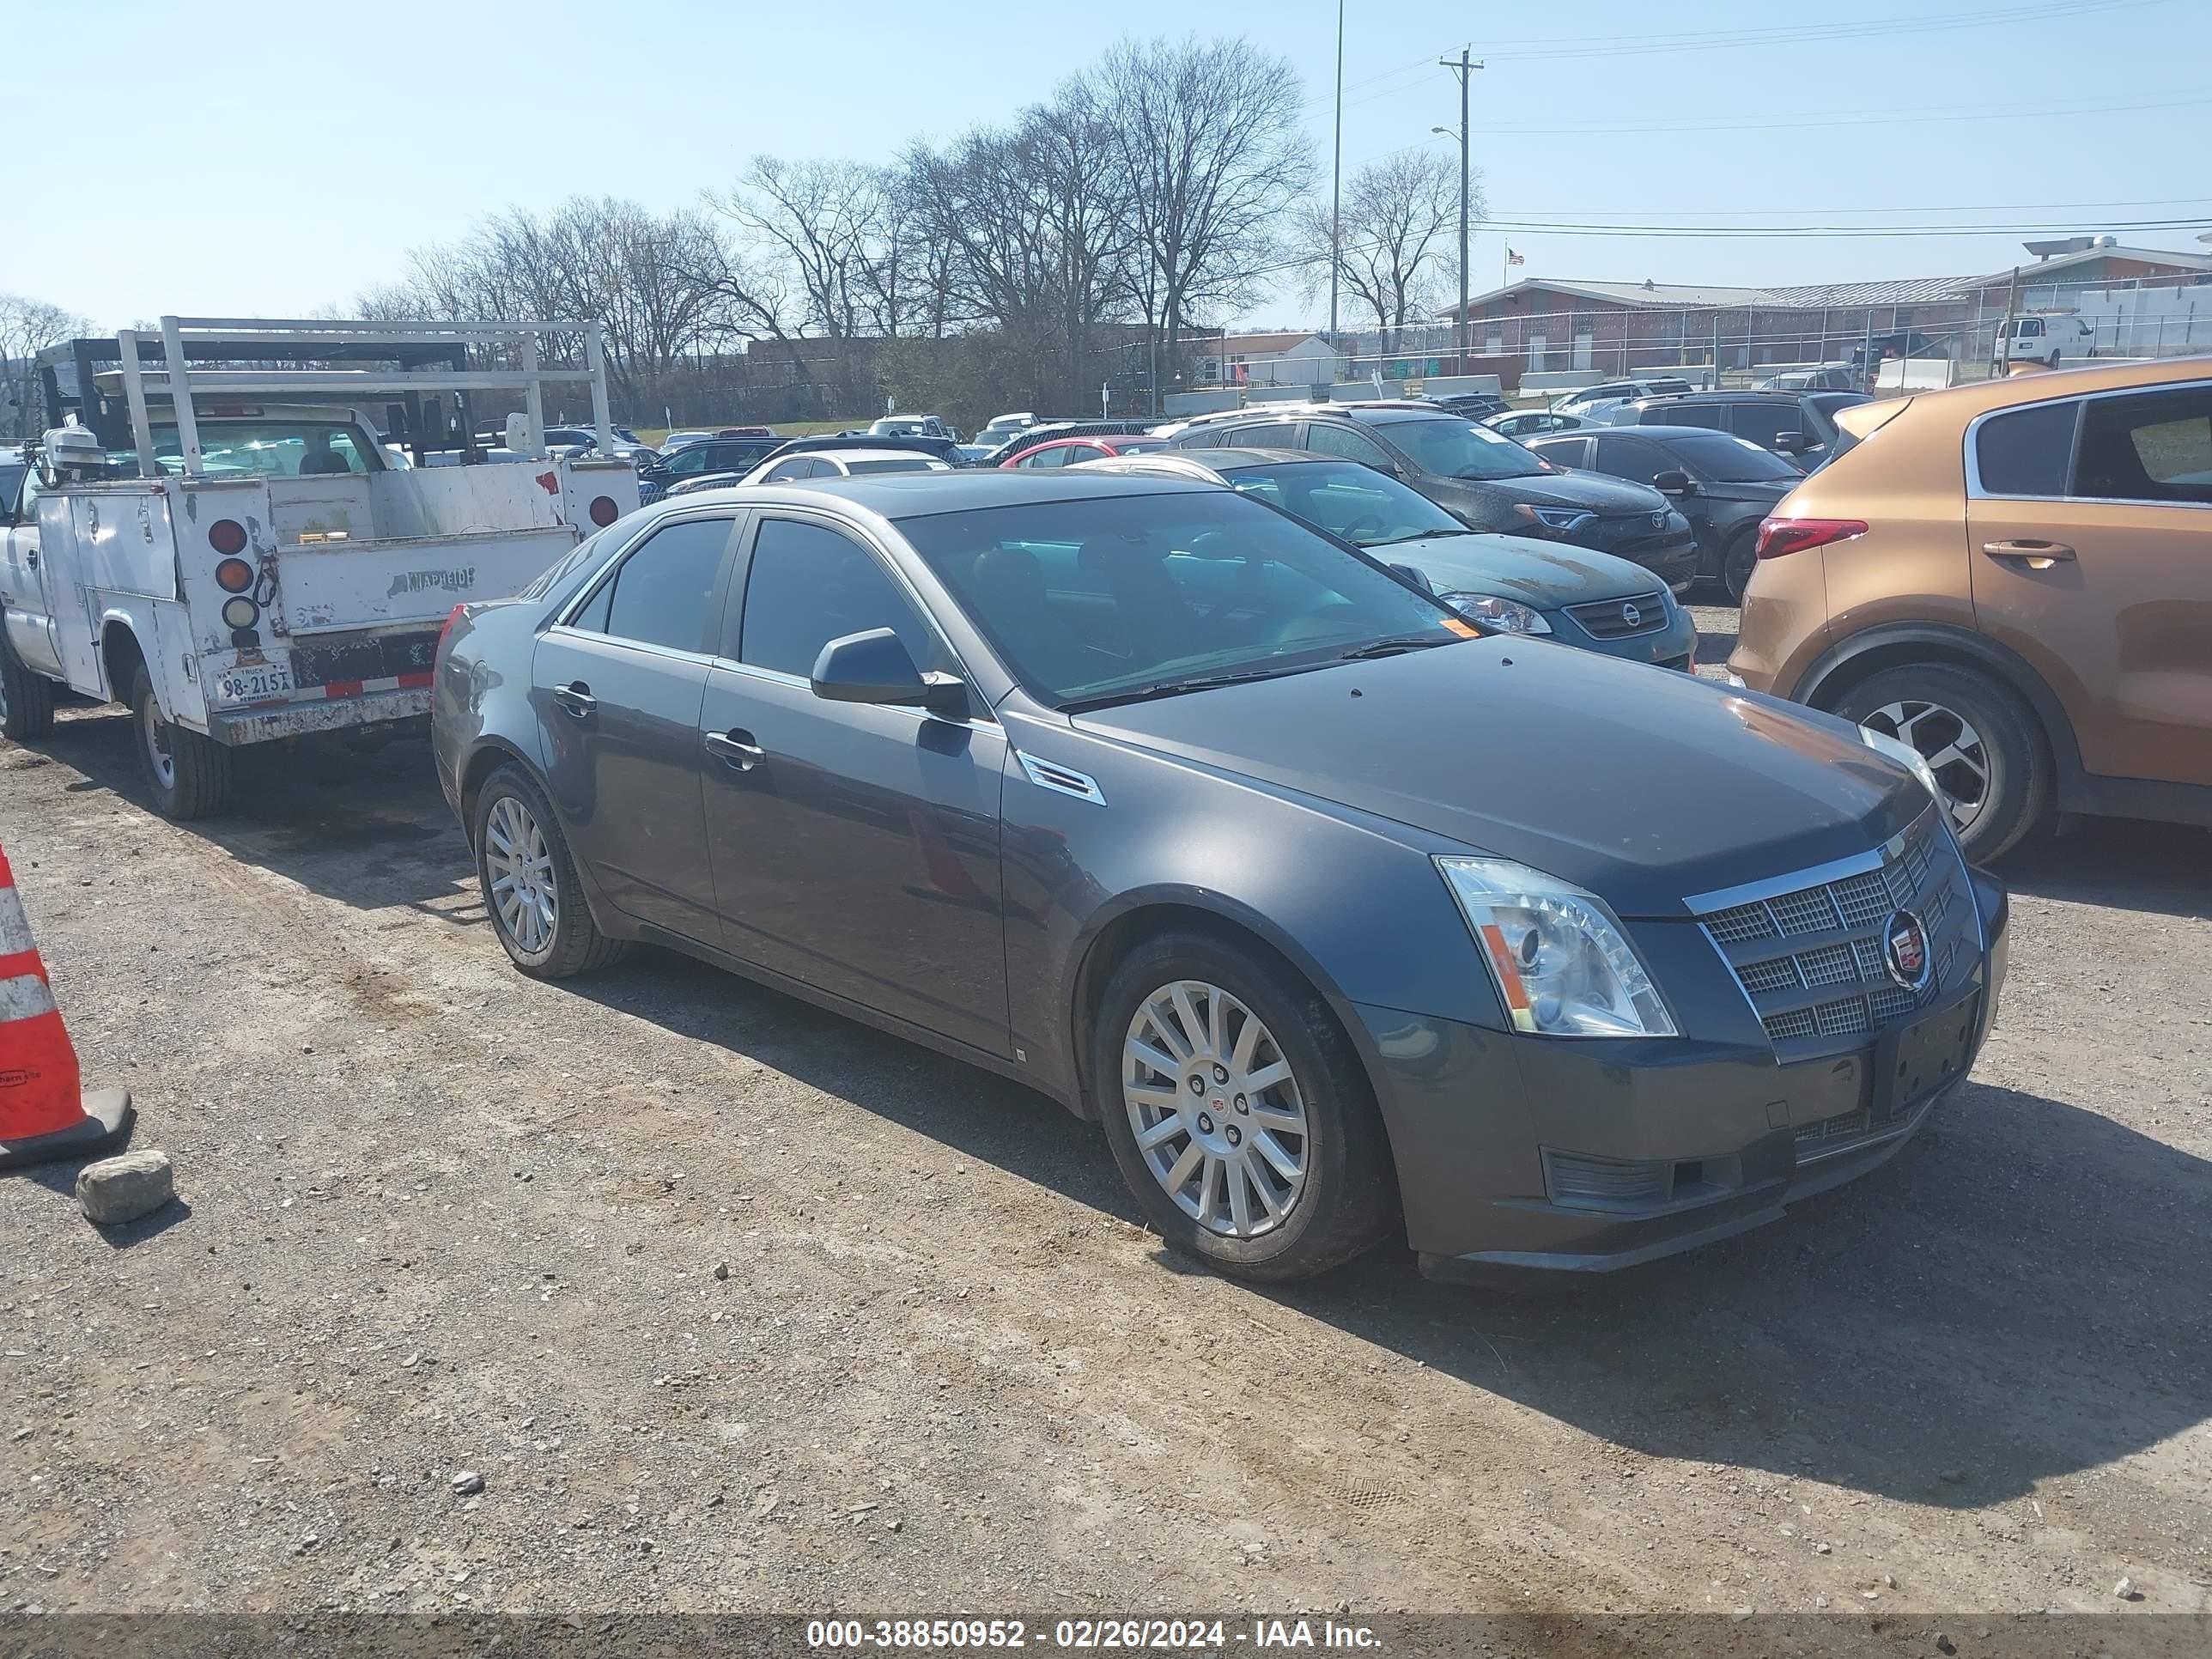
(1513, 258)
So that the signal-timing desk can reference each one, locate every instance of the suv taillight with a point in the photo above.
(1780, 536)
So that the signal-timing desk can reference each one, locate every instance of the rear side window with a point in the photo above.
(2026, 451)
(659, 596)
(1274, 434)
(2150, 446)
(1626, 458)
(1564, 452)
(1711, 415)
(808, 585)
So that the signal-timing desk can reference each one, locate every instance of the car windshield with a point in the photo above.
(1110, 599)
(1731, 460)
(1352, 502)
(265, 449)
(1459, 449)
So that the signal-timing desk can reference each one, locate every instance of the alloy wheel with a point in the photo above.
(521, 866)
(1219, 1117)
(1952, 747)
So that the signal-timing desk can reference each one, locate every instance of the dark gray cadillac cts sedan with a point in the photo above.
(1338, 916)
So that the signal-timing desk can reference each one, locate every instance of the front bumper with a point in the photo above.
(1674, 645)
(1518, 1154)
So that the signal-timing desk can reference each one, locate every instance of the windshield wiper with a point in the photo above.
(1391, 648)
(1176, 687)
(1423, 536)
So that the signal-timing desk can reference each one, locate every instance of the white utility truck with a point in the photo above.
(236, 550)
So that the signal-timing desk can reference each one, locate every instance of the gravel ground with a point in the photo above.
(732, 1304)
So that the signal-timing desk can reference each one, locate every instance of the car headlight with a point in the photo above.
(1906, 756)
(1554, 518)
(1561, 963)
(1505, 616)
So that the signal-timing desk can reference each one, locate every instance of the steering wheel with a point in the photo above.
(1358, 530)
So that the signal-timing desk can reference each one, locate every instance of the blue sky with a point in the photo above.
(273, 157)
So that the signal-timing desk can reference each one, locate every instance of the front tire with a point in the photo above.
(530, 885)
(1276, 1166)
(1739, 558)
(190, 773)
(26, 700)
(1980, 740)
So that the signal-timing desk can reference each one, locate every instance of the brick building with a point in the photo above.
(1610, 327)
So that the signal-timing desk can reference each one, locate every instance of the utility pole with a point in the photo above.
(1336, 187)
(1464, 67)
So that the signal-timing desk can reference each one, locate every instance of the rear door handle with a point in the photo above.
(577, 697)
(2037, 555)
(736, 749)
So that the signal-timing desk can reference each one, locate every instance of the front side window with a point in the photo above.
(1762, 424)
(1149, 595)
(2147, 446)
(1328, 439)
(691, 458)
(660, 593)
(1453, 448)
(799, 466)
(2026, 451)
(807, 585)
(1629, 458)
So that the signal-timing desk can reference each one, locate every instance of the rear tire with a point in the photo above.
(530, 888)
(27, 699)
(1305, 1199)
(190, 775)
(1981, 740)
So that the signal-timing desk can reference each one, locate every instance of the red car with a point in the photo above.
(1067, 452)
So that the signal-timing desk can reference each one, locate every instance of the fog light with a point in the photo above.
(234, 575)
(240, 613)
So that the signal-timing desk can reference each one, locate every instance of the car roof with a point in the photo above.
(858, 453)
(1731, 396)
(1199, 458)
(895, 495)
(1657, 430)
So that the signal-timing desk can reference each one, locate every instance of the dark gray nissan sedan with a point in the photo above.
(1342, 918)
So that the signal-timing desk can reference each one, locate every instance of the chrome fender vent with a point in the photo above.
(1063, 779)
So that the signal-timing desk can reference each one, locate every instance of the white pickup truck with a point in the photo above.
(237, 553)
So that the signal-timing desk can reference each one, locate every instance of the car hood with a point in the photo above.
(1564, 488)
(1643, 785)
(1545, 575)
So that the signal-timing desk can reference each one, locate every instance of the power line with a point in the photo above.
(1851, 117)
(2046, 229)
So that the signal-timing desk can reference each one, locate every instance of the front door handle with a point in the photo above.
(30, 558)
(2035, 555)
(736, 749)
(577, 697)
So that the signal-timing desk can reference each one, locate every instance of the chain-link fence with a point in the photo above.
(1740, 343)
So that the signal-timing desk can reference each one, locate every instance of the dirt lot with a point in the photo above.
(439, 1218)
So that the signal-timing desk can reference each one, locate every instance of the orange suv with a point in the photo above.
(2016, 580)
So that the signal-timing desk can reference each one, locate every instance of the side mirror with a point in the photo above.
(1790, 443)
(1419, 579)
(1672, 481)
(876, 667)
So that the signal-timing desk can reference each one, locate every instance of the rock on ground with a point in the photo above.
(126, 1187)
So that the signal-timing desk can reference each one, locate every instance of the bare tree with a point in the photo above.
(816, 217)
(1210, 139)
(27, 328)
(1397, 214)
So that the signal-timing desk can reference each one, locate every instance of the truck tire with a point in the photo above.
(27, 699)
(190, 775)
(1983, 742)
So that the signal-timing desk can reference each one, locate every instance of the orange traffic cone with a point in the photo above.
(43, 1112)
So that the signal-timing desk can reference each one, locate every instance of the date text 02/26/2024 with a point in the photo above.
(1196, 1636)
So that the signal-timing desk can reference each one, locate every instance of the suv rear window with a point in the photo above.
(2024, 452)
